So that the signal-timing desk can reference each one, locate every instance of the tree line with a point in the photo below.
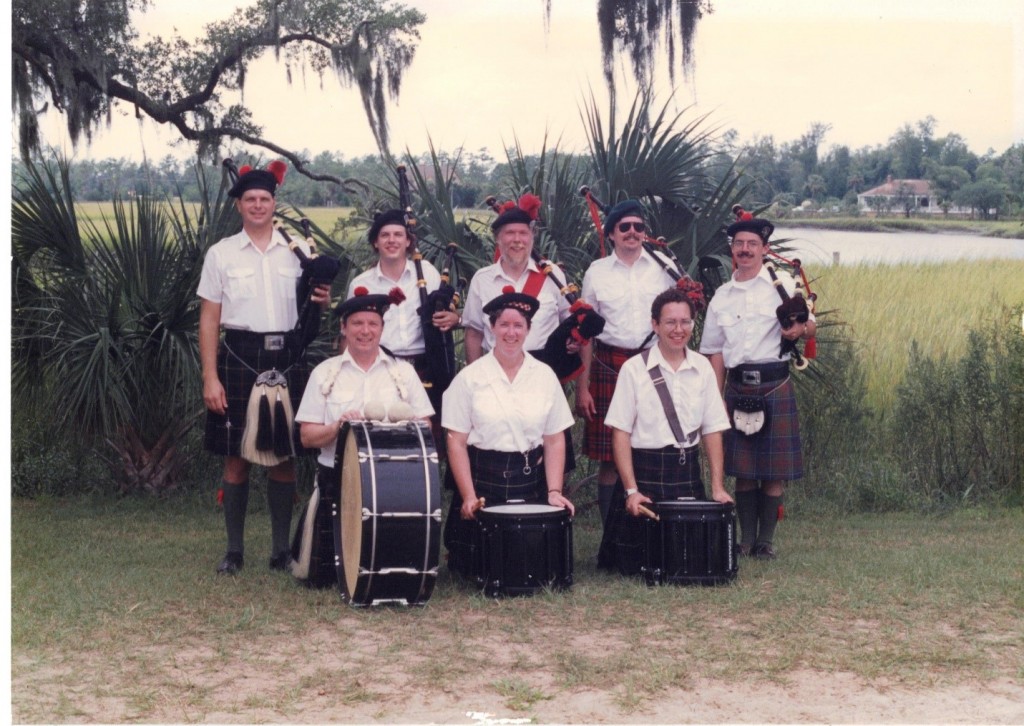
(786, 174)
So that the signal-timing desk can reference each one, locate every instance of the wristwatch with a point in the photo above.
(631, 491)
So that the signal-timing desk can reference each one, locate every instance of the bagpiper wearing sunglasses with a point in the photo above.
(743, 339)
(621, 287)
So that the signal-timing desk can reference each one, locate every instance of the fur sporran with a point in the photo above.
(269, 421)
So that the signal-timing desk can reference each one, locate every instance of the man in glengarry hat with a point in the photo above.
(621, 288)
(247, 289)
(742, 337)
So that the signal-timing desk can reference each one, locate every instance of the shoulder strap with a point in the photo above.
(666, 403)
(534, 282)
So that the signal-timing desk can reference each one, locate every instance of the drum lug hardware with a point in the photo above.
(436, 515)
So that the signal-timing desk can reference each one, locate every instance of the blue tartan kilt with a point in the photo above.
(774, 453)
(240, 358)
(660, 476)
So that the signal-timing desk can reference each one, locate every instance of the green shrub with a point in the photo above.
(959, 424)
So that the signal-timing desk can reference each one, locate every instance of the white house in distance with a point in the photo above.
(897, 195)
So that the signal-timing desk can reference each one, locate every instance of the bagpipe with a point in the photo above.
(795, 308)
(316, 270)
(659, 251)
(581, 326)
(439, 346)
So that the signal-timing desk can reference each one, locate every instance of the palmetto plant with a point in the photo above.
(105, 319)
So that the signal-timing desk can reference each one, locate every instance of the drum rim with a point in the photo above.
(521, 509)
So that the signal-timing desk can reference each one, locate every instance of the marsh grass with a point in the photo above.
(887, 308)
(115, 602)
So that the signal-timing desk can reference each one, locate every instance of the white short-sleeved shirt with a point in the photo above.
(487, 284)
(636, 408)
(623, 295)
(256, 290)
(403, 331)
(741, 323)
(338, 385)
(501, 415)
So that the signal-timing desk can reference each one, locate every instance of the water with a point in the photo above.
(817, 246)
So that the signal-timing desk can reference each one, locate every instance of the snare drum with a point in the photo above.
(524, 548)
(692, 543)
(387, 524)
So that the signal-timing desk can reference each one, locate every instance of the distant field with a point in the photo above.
(887, 307)
(1011, 228)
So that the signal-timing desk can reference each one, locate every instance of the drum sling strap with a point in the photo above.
(683, 440)
(534, 282)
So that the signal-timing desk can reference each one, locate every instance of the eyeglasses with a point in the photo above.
(636, 226)
(741, 243)
(684, 324)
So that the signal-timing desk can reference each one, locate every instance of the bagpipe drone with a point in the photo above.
(439, 346)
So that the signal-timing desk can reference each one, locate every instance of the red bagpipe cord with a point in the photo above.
(811, 344)
(595, 214)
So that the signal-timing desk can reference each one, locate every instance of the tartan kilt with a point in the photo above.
(497, 477)
(774, 453)
(240, 358)
(604, 372)
(660, 476)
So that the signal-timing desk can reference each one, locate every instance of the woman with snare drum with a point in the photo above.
(657, 459)
(505, 414)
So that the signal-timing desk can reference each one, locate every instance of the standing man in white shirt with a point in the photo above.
(621, 288)
(247, 289)
(743, 339)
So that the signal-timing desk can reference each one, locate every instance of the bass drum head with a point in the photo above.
(351, 517)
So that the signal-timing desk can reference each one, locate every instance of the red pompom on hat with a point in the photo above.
(266, 179)
(360, 291)
(362, 301)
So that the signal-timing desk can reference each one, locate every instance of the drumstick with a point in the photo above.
(648, 513)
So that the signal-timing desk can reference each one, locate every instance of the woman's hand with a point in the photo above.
(633, 502)
(557, 499)
(470, 507)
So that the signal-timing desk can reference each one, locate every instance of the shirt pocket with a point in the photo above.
(288, 281)
(611, 298)
(241, 283)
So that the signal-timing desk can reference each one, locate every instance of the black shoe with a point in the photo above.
(763, 551)
(742, 550)
(281, 561)
(231, 564)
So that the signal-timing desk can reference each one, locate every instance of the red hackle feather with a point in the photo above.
(244, 169)
(530, 203)
(395, 295)
(505, 206)
(220, 497)
(278, 169)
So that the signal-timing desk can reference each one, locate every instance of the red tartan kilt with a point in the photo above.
(604, 372)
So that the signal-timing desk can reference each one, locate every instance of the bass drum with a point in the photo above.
(692, 543)
(524, 548)
(387, 526)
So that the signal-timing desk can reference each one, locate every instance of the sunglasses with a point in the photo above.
(636, 226)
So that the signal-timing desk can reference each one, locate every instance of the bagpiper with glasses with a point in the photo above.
(621, 288)
(666, 404)
(743, 339)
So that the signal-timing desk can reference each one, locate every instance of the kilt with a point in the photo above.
(240, 358)
(604, 372)
(498, 477)
(660, 476)
(774, 453)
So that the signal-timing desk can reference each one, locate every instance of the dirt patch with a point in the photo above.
(338, 678)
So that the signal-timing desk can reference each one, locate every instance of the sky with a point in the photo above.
(486, 73)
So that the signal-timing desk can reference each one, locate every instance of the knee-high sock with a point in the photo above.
(768, 517)
(236, 501)
(604, 499)
(281, 501)
(746, 512)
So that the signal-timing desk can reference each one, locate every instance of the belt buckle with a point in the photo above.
(751, 378)
(273, 342)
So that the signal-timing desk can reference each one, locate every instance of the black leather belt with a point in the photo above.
(754, 374)
(266, 341)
